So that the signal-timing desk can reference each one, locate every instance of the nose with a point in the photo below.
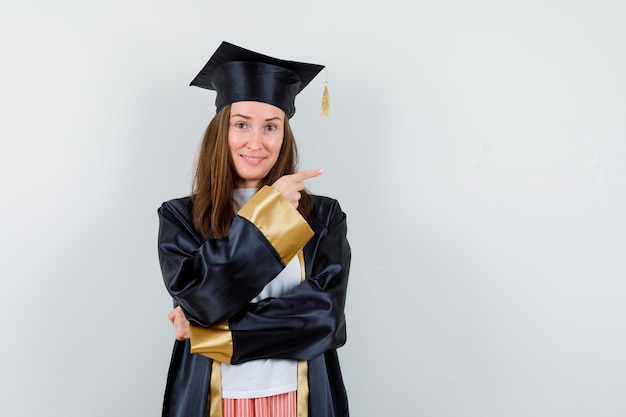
(254, 141)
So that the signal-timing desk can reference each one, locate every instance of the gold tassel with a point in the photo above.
(325, 110)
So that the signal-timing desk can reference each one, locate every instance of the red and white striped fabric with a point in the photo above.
(281, 405)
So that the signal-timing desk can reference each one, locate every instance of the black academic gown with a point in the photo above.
(214, 280)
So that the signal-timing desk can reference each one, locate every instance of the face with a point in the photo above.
(255, 136)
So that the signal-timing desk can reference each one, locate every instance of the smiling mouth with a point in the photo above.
(253, 159)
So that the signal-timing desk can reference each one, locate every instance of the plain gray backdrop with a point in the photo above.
(478, 148)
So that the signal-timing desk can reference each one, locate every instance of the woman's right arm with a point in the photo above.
(212, 279)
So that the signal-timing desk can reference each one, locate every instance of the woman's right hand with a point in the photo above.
(291, 185)
(180, 323)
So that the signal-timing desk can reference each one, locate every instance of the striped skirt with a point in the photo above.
(281, 405)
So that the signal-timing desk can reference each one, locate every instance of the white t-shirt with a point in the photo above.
(263, 377)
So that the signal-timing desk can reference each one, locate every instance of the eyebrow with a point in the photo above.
(248, 117)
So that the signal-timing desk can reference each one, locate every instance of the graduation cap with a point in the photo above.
(237, 74)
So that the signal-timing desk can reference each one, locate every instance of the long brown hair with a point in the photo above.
(214, 182)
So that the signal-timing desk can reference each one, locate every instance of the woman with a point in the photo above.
(257, 266)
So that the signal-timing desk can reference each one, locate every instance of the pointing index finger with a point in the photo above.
(309, 173)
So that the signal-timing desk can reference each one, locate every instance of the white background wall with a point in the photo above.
(478, 147)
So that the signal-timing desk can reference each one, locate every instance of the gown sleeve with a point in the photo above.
(214, 279)
(302, 323)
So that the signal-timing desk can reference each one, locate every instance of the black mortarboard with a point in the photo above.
(237, 74)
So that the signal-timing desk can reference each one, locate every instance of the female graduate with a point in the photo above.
(257, 266)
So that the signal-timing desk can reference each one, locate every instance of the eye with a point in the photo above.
(271, 128)
(240, 125)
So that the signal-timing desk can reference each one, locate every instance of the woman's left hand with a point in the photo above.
(180, 323)
(291, 185)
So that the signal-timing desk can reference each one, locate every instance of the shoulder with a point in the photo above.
(177, 207)
(322, 201)
(178, 201)
(175, 217)
(326, 209)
